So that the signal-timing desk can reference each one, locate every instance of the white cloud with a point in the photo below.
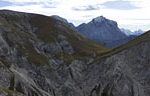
(16, 1)
(137, 18)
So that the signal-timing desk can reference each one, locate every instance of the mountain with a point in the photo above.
(103, 31)
(108, 43)
(64, 21)
(132, 33)
(42, 56)
(127, 31)
(138, 32)
(36, 52)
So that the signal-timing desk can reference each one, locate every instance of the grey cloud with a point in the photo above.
(119, 5)
(44, 4)
(87, 16)
(141, 19)
(25, 3)
(86, 8)
(138, 19)
(49, 4)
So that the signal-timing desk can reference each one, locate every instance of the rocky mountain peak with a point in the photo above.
(104, 20)
(99, 19)
(103, 31)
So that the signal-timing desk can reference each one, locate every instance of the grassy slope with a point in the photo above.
(47, 31)
(7, 92)
(143, 38)
(50, 29)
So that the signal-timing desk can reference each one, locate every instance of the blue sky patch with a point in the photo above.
(5, 3)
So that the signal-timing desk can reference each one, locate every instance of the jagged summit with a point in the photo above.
(102, 20)
(99, 19)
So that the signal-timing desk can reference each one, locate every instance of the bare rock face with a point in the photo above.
(41, 57)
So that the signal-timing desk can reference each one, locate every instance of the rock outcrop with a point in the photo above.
(64, 21)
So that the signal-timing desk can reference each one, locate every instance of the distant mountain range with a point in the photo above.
(103, 31)
(129, 32)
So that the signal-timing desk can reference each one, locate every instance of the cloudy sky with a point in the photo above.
(130, 14)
